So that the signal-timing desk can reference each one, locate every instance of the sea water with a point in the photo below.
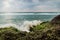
(22, 21)
(20, 17)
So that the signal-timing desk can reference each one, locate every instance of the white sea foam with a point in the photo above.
(25, 26)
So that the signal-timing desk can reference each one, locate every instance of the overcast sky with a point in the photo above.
(29, 5)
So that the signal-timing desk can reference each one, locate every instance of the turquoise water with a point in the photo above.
(20, 17)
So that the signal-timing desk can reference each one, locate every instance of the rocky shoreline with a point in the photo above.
(44, 31)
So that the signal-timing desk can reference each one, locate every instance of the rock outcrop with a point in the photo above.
(56, 20)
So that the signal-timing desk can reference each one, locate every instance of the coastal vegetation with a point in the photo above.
(44, 31)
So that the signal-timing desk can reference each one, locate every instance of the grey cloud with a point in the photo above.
(31, 4)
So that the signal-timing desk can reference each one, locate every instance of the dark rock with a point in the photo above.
(56, 20)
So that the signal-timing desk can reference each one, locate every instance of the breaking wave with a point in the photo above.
(25, 26)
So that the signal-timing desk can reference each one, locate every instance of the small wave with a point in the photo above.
(25, 26)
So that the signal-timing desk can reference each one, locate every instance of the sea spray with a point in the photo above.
(8, 25)
(25, 26)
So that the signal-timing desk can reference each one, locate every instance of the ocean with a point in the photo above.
(23, 21)
(20, 17)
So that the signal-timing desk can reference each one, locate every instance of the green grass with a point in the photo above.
(43, 26)
(9, 29)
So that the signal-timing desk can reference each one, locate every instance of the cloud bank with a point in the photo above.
(29, 5)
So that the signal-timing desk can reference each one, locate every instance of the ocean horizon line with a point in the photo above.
(29, 12)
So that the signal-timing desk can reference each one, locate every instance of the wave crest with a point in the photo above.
(25, 26)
